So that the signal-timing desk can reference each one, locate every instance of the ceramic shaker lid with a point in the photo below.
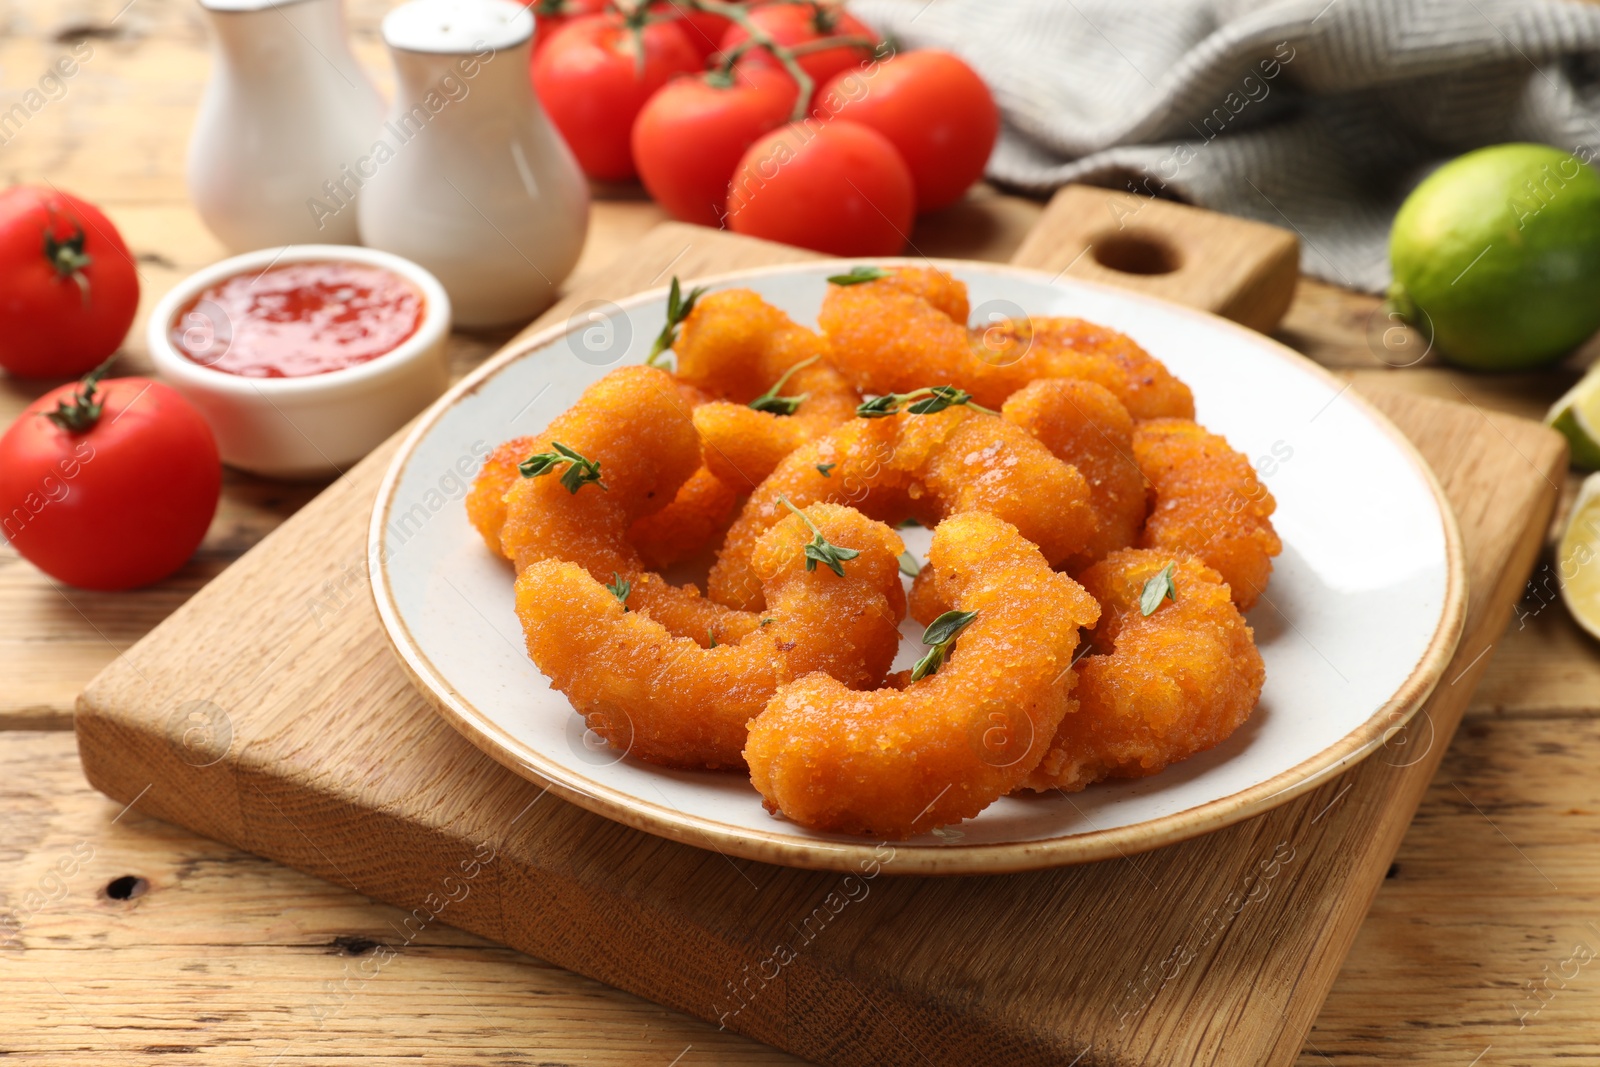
(451, 26)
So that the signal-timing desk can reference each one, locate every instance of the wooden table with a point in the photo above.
(141, 937)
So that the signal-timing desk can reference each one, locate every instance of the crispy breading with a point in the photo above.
(1208, 502)
(901, 760)
(1157, 688)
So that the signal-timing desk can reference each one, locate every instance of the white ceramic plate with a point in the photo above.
(1362, 613)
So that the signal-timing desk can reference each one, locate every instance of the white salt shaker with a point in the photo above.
(472, 181)
(287, 112)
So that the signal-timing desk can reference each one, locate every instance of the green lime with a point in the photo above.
(1496, 256)
(1577, 417)
(1578, 558)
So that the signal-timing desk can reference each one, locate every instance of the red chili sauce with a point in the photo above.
(298, 319)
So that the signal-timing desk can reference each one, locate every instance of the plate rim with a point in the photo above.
(783, 847)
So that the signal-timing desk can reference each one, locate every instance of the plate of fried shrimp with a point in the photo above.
(1005, 570)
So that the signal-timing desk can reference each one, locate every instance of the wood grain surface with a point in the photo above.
(225, 953)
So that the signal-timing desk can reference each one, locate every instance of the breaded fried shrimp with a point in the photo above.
(698, 514)
(1208, 502)
(928, 466)
(486, 503)
(1086, 426)
(898, 761)
(900, 332)
(1157, 688)
(737, 348)
(667, 700)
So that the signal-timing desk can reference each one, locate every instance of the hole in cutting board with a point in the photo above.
(1136, 253)
(127, 887)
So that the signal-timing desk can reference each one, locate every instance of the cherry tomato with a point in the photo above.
(792, 24)
(933, 108)
(108, 485)
(692, 134)
(68, 289)
(836, 187)
(550, 15)
(703, 29)
(592, 82)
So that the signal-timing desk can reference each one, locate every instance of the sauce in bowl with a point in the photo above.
(298, 319)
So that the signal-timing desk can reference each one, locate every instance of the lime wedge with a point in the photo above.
(1578, 558)
(1576, 416)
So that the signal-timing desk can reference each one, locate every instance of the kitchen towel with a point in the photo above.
(1316, 115)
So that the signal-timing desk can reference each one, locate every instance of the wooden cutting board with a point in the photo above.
(269, 713)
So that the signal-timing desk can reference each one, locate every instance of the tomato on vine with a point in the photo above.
(691, 135)
(801, 28)
(68, 288)
(933, 108)
(595, 74)
(836, 187)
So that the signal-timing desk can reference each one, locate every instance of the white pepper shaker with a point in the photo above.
(286, 112)
(472, 181)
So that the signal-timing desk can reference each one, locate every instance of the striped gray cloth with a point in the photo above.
(1310, 114)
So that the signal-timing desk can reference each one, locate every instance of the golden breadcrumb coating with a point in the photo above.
(899, 761)
(1085, 425)
(927, 466)
(696, 518)
(888, 336)
(486, 504)
(1157, 688)
(1208, 502)
(668, 700)
(737, 347)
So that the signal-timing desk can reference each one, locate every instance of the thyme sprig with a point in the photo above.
(909, 565)
(678, 308)
(857, 275)
(1159, 588)
(940, 636)
(929, 400)
(777, 404)
(620, 587)
(579, 474)
(819, 549)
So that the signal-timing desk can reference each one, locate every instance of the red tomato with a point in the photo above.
(933, 108)
(835, 187)
(68, 289)
(592, 83)
(692, 134)
(119, 503)
(703, 29)
(792, 24)
(550, 15)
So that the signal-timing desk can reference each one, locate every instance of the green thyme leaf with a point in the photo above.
(579, 473)
(767, 620)
(782, 405)
(1157, 589)
(819, 549)
(678, 308)
(939, 636)
(929, 400)
(712, 635)
(858, 275)
(620, 587)
(909, 565)
(825, 469)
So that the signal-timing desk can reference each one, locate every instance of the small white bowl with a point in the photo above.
(317, 425)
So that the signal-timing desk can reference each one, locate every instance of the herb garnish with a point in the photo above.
(678, 308)
(858, 275)
(926, 401)
(620, 587)
(824, 469)
(581, 472)
(819, 549)
(711, 635)
(939, 636)
(767, 620)
(1157, 589)
(909, 565)
(782, 405)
